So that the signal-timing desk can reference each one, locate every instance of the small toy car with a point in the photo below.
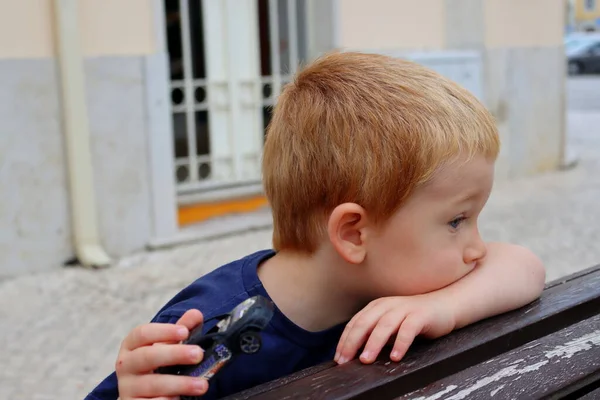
(236, 333)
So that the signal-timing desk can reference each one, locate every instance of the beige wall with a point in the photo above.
(109, 27)
(416, 25)
(519, 23)
(385, 24)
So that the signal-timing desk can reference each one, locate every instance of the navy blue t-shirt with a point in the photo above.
(286, 348)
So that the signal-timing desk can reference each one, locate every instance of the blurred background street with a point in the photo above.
(583, 94)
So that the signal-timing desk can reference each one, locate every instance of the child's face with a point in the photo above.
(433, 240)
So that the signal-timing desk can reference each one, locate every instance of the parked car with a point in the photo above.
(583, 53)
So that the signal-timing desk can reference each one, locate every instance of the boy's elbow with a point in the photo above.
(532, 269)
(525, 266)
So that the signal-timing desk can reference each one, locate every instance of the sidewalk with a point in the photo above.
(60, 331)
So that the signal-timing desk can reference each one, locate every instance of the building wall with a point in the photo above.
(118, 41)
(583, 13)
(384, 24)
(117, 115)
(525, 82)
(34, 215)
(109, 27)
(515, 23)
(523, 61)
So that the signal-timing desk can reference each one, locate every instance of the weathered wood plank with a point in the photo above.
(257, 391)
(555, 365)
(560, 305)
(593, 395)
(573, 276)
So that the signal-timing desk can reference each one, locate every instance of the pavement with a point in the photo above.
(60, 331)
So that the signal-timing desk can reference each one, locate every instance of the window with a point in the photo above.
(219, 114)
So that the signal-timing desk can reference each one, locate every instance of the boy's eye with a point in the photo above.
(455, 223)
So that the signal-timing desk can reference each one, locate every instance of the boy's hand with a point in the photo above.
(146, 348)
(507, 278)
(401, 318)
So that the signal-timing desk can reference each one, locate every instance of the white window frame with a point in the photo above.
(234, 92)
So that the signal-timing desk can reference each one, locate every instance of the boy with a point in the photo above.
(376, 170)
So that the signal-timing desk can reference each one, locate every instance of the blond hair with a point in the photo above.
(366, 129)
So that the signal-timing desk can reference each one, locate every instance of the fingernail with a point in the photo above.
(195, 352)
(200, 385)
(395, 355)
(366, 356)
(342, 360)
(182, 332)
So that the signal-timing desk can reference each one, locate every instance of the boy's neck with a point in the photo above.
(308, 289)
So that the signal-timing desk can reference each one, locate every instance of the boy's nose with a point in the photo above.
(475, 251)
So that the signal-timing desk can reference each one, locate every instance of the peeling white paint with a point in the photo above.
(438, 394)
(495, 391)
(481, 383)
(574, 346)
(567, 350)
(531, 346)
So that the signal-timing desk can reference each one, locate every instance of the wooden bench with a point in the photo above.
(548, 349)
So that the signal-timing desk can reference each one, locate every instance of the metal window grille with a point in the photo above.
(219, 87)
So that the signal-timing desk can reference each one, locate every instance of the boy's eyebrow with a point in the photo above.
(466, 196)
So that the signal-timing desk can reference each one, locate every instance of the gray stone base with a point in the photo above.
(35, 221)
(525, 90)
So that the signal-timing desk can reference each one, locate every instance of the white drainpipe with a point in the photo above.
(88, 249)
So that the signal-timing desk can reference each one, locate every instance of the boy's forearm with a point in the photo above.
(508, 277)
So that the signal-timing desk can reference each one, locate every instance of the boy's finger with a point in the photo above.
(372, 312)
(342, 340)
(149, 358)
(165, 386)
(148, 334)
(342, 343)
(356, 335)
(191, 319)
(386, 327)
(370, 308)
(411, 327)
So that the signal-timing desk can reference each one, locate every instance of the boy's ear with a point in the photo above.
(347, 233)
